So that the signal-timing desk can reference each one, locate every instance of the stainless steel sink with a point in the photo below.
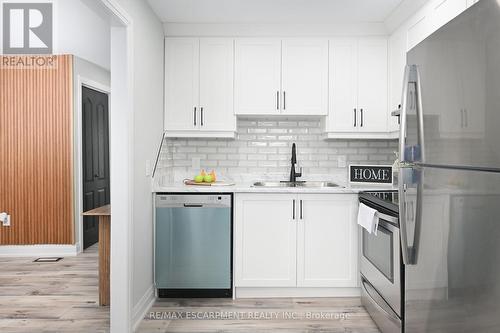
(317, 184)
(305, 184)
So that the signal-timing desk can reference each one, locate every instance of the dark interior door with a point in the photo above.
(95, 131)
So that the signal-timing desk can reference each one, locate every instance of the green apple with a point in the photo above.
(208, 179)
(198, 179)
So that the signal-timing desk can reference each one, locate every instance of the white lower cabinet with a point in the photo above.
(327, 241)
(265, 244)
(289, 240)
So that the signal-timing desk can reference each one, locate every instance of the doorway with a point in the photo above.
(95, 159)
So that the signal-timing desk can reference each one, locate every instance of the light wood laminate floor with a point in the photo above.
(52, 297)
(344, 315)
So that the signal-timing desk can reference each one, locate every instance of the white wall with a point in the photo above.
(80, 31)
(148, 41)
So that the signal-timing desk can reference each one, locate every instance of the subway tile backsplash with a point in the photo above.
(263, 147)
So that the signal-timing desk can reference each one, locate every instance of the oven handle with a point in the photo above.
(388, 218)
(369, 289)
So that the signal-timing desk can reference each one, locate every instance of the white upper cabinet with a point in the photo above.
(358, 89)
(446, 10)
(420, 26)
(372, 85)
(216, 84)
(433, 16)
(257, 76)
(397, 64)
(343, 85)
(288, 77)
(181, 83)
(471, 2)
(199, 87)
(304, 77)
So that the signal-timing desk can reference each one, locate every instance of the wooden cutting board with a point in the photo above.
(191, 182)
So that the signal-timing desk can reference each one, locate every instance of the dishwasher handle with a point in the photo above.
(193, 205)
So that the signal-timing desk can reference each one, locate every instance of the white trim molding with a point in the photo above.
(83, 82)
(142, 307)
(43, 250)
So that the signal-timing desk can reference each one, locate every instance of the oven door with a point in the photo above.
(381, 262)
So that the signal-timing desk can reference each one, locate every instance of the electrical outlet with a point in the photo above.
(195, 163)
(5, 219)
(148, 168)
(342, 161)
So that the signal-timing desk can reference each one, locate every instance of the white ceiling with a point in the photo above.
(276, 11)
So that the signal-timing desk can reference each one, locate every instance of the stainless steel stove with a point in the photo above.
(382, 270)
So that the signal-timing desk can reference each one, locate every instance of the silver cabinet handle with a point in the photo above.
(361, 111)
(194, 116)
(284, 100)
(277, 100)
(355, 118)
(466, 116)
(293, 210)
(201, 113)
(301, 217)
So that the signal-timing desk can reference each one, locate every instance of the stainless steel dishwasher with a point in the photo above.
(193, 245)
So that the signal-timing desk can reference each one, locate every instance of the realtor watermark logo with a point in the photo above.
(27, 28)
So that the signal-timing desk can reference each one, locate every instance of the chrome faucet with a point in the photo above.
(293, 173)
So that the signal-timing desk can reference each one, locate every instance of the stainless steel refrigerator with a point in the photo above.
(449, 183)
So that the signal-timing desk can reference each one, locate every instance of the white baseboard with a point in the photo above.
(296, 292)
(142, 307)
(43, 250)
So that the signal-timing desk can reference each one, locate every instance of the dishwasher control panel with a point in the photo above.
(193, 200)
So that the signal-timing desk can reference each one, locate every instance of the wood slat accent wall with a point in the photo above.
(36, 149)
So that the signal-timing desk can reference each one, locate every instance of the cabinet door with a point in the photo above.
(372, 85)
(257, 76)
(342, 115)
(181, 83)
(419, 28)
(216, 84)
(397, 63)
(327, 241)
(305, 77)
(265, 244)
(446, 10)
(471, 2)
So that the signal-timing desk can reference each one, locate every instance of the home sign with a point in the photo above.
(370, 174)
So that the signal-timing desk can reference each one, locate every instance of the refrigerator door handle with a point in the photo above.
(420, 115)
(403, 112)
(410, 173)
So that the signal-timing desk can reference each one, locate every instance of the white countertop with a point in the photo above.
(248, 188)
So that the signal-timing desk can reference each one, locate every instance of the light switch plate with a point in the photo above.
(342, 161)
